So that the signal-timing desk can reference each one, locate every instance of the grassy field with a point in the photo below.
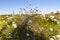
(29, 27)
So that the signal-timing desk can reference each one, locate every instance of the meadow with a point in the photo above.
(30, 27)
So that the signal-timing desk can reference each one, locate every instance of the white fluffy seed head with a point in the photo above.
(13, 22)
(27, 34)
(30, 21)
(54, 36)
(14, 25)
(58, 22)
(51, 29)
(52, 17)
(57, 35)
(55, 20)
(51, 39)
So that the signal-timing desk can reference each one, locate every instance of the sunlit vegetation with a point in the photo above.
(30, 26)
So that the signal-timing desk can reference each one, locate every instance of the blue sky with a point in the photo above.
(7, 6)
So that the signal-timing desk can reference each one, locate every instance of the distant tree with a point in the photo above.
(52, 13)
(57, 12)
(13, 12)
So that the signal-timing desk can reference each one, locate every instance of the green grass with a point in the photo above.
(38, 25)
